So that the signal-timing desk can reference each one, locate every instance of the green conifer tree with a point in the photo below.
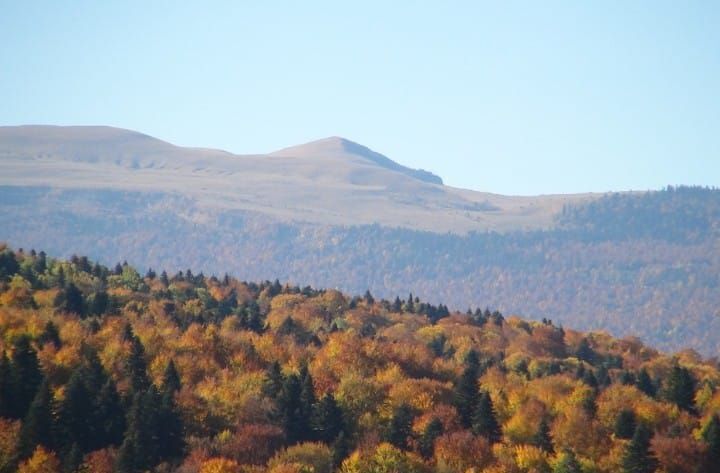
(76, 413)
(637, 457)
(433, 430)
(542, 437)
(5, 386)
(274, 380)
(484, 422)
(711, 436)
(136, 366)
(645, 384)
(625, 424)
(400, 427)
(38, 427)
(680, 388)
(171, 378)
(466, 395)
(25, 377)
(327, 422)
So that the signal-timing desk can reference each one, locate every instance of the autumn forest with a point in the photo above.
(104, 369)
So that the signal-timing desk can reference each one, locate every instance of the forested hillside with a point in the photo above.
(645, 264)
(108, 369)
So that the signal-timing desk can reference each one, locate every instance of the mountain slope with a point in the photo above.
(218, 375)
(331, 181)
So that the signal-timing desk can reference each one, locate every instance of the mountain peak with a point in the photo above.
(337, 147)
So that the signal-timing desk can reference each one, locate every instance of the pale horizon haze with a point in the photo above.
(507, 97)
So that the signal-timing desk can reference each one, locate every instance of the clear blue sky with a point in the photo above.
(510, 97)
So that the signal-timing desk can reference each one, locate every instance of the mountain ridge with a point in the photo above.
(361, 186)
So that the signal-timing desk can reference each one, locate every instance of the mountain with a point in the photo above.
(337, 148)
(333, 213)
(106, 370)
(331, 181)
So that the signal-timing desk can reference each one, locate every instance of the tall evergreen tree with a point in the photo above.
(585, 352)
(140, 448)
(171, 378)
(645, 384)
(433, 430)
(25, 377)
(290, 409)
(137, 366)
(467, 395)
(625, 424)
(169, 429)
(110, 417)
(50, 334)
(484, 422)
(400, 427)
(274, 380)
(5, 386)
(307, 400)
(38, 427)
(73, 459)
(542, 437)
(327, 422)
(680, 388)
(711, 436)
(637, 457)
(76, 413)
(70, 299)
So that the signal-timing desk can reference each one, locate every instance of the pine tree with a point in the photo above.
(637, 457)
(400, 427)
(466, 394)
(50, 334)
(711, 436)
(327, 422)
(645, 384)
(290, 409)
(432, 431)
(397, 305)
(542, 437)
(680, 388)
(73, 459)
(71, 300)
(5, 386)
(171, 378)
(169, 429)
(484, 422)
(140, 448)
(307, 401)
(625, 424)
(585, 351)
(110, 417)
(567, 463)
(137, 366)
(273, 380)
(76, 413)
(25, 377)
(341, 448)
(38, 427)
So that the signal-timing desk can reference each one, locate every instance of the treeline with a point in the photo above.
(682, 214)
(105, 370)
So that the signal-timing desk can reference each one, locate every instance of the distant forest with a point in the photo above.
(645, 263)
(109, 370)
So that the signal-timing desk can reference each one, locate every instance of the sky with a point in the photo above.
(508, 97)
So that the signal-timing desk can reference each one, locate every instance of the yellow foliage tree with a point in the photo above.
(41, 461)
